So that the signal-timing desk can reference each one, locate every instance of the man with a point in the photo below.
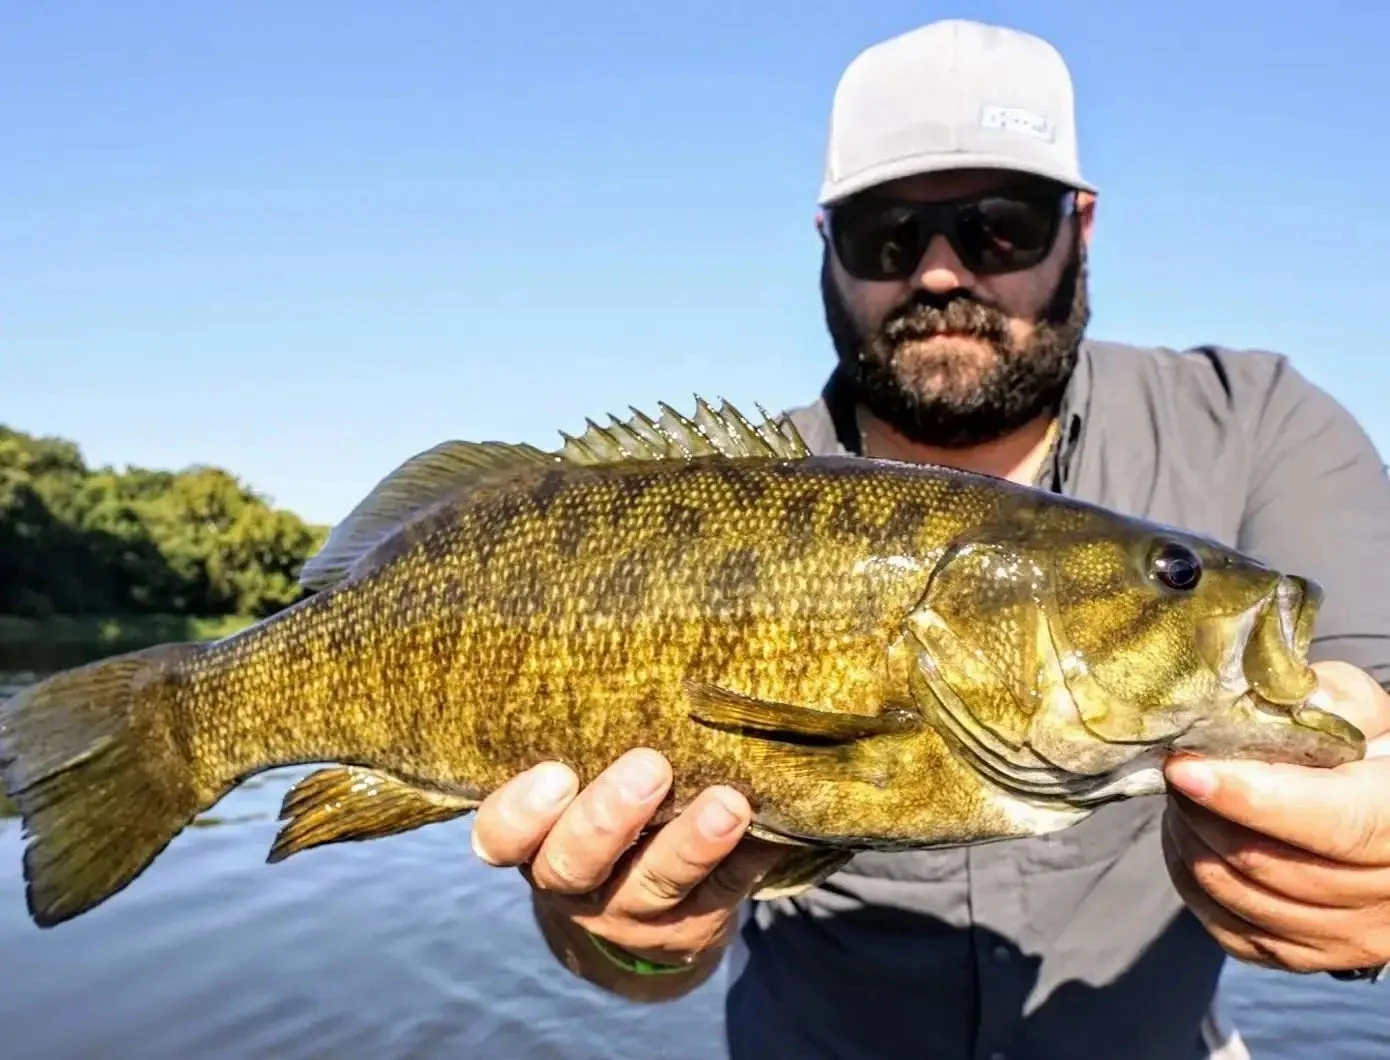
(958, 327)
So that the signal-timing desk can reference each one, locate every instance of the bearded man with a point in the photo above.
(955, 224)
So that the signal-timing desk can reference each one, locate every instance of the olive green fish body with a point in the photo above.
(569, 614)
(879, 655)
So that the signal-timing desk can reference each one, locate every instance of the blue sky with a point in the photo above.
(303, 241)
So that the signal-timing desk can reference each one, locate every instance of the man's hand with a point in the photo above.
(1287, 866)
(667, 899)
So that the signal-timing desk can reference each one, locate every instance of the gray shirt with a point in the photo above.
(1076, 946)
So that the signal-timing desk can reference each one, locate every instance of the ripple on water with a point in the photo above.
(1288, 1016)
(402, 947)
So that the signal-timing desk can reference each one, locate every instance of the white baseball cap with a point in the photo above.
(953, 94)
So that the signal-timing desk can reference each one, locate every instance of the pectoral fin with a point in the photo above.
(801, 870)
(345, 803)
(723, 709)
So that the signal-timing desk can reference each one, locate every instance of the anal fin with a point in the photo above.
(347, 803)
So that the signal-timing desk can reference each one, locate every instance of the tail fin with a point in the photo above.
(94, 760)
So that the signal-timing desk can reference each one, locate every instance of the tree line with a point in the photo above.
(80, 540)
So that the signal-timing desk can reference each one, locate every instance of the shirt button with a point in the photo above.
(1001, 954)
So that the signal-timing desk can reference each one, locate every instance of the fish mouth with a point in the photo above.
(1296, 605)
(1254, 728)
(1275, 658)
(1275, 719)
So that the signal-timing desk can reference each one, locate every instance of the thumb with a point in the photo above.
(1339, 814)
(1355, 695)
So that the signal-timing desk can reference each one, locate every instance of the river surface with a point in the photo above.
(407, 947)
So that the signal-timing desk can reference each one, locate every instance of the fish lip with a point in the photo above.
(1264, 730)
(1334, 725)
(1299, 600)
(1291, 606)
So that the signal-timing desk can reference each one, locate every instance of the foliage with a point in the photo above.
(77, 540)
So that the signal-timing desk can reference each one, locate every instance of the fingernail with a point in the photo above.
(478, 849)
(640, 776)
(550, 784)
(716, 819)
(1196, 780)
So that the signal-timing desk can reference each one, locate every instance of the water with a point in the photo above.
(407, 947)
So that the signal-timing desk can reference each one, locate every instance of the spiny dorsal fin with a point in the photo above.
(672, 436)
(408, 492)
(446, 470)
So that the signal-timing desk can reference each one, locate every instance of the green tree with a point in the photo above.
(76, 540)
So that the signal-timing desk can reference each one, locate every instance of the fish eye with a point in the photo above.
(1177, 567)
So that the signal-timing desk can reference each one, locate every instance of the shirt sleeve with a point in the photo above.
(1318, 505)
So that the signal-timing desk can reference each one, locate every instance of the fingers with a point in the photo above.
(694, 867)
(1340, 813)
(597, 828)
(703, 918)
(1283, 869)
(670, 897)
(682, 855)
(514, 820)
(1236, 935)
(736, 877)
(1260, 926)
(1265, 909)
(1355, 695)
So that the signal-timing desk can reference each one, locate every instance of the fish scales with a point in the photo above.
(538, 620)
(878, 655)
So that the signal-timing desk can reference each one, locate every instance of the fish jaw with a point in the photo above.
(1271, 714)
(1255, 728)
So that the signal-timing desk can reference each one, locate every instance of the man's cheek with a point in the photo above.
(870, 303)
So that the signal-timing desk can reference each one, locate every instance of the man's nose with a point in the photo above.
(940, 271)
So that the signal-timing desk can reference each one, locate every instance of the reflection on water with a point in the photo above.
(403, 947)
(25, 659)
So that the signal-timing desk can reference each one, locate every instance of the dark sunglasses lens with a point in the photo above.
(878, 242)
(998, 233)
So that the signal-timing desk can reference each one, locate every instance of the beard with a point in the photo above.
(956, 395)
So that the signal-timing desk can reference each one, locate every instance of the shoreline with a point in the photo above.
(100, 631)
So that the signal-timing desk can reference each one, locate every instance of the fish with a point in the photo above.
(880, 655)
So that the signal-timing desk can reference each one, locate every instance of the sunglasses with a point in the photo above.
(1005, 230)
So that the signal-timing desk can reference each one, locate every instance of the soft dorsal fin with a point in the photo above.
(408, 492)
(725, 432)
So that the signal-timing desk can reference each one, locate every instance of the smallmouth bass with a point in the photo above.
(879, 655)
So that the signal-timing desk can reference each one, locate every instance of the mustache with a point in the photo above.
(925, 315)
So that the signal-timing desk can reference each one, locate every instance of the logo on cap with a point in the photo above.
(1018, 120)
